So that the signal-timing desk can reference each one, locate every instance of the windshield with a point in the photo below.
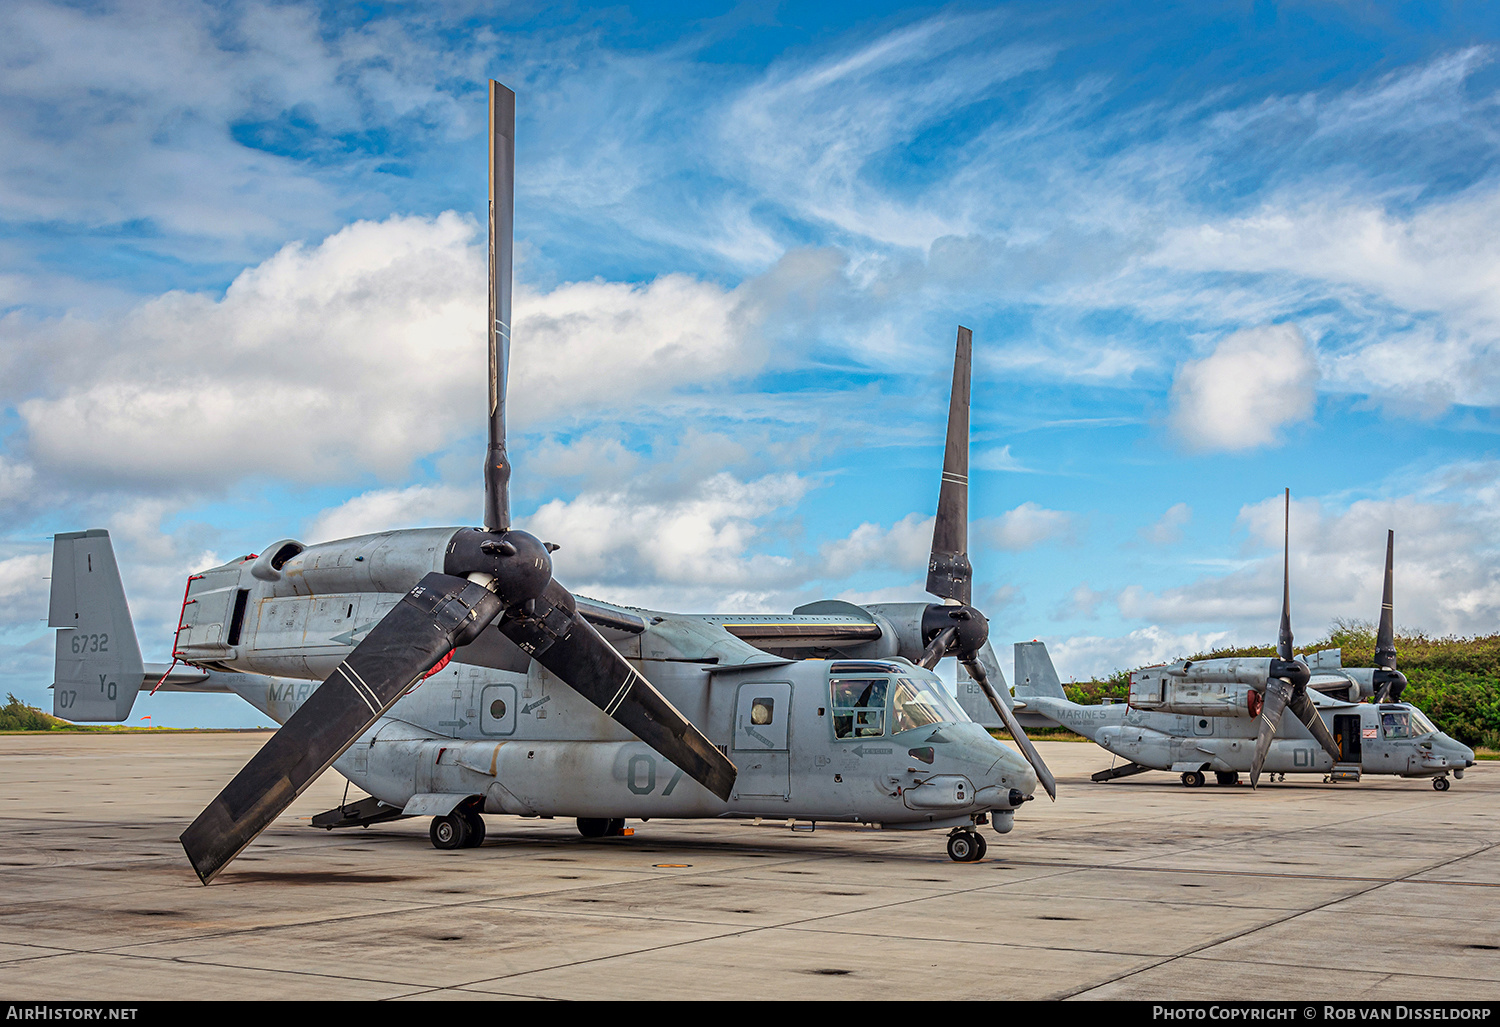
(1420, 725)
(917, 704)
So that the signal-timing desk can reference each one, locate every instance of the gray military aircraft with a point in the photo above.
(448, 674)
(1197, 716)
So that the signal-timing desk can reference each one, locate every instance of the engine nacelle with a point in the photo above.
(1160, 690)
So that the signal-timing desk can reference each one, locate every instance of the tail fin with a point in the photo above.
(1035, 674)
(99, 668)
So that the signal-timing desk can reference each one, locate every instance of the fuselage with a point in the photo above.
(871, 741)
(1384, 738)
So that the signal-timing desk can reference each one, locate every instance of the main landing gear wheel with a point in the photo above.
(966, 847)
(449, 832)
(1194, 779)
(600, 827)
(1227, 777)
(475, 824)
(1440, 783)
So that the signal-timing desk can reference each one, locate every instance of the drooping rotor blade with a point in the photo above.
(949, 573)
(439, 614)
(502, 230)
(1278, 692)
(976, 671)
(1306, 711)
(554, 634)
(1389, 682)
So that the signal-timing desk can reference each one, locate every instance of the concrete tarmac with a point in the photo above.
(1138, 889)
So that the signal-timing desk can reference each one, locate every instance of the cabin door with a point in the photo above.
(762, 715)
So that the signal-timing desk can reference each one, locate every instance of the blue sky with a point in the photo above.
(1208, 251)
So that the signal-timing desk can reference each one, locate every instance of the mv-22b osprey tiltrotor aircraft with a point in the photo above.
(1225, 715)
(458, 678)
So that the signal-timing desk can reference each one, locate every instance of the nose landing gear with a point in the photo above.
(965, 845)
(1440, 783)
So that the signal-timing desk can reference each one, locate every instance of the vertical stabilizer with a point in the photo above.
(1035, 674)
(98, 670)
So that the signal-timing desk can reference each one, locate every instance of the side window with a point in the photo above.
(760, 717)
(1397, 725)
(858, 707)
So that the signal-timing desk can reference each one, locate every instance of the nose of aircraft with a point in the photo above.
(1011, 768)
(1457, 751)
(991, 763)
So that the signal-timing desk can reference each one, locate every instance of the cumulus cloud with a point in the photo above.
(1028, 525)
(905, 545)
(389, 509)
(356, 355)
(1168, 530)
(1447, 572)
(1085, 657)
(1236, 398)
(1082, 602)
(23, 588)
(633, 539)
(590, 345)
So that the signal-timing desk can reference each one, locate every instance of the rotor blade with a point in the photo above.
(1284, 637)
(976, 671)
(1277, 694)
(949, 573)
(560, 639)
(502, 230)
(1306, 710)
(440, 613)
(1385, 637)
(937, 648)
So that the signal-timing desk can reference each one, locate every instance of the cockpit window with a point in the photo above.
(1395, 725)
(919, 704)
(1420, 725)
(858, 707)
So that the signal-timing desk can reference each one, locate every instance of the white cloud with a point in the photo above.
(807, 134)
(635, 540)
(906, 545)
(1085, 657)
(389, 509)
(996, 460)
(1255, 381)
(23, 588)
(1025, 527)
(591, 345)
(358, 354)
(1082, 602)
(1168, 529)
(1447, 571)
